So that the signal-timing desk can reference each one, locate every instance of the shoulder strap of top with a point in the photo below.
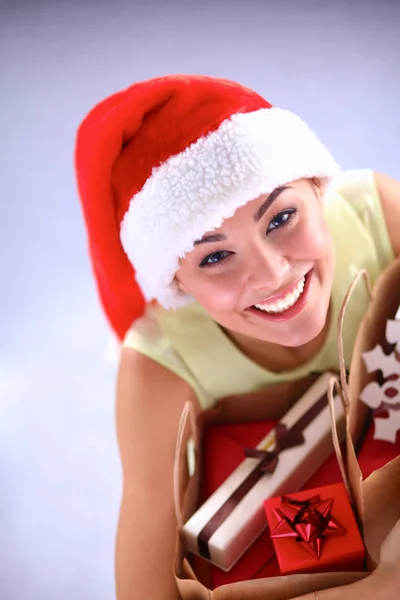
(146, 337)
(359, 189)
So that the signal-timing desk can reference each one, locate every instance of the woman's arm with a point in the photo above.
(150, 400)
(389, 193)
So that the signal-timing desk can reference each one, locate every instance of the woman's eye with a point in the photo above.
(281, 219)
(214, 258)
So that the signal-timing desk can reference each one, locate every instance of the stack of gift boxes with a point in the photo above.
(313, 530)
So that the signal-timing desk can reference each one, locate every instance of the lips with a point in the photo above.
(283, 313)
(281, 294)
(286, 302)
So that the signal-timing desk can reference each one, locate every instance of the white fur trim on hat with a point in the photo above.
(194, 191)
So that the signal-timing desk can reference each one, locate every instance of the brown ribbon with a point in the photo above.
(285, 438)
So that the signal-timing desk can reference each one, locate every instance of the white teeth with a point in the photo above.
(289, 300)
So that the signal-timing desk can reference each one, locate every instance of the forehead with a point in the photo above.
(243, 212)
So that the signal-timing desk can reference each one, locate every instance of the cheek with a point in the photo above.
(215, 293)
(312, 240)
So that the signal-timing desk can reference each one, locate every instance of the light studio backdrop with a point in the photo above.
(335, 63)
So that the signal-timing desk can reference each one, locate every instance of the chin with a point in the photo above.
(307, 333)
(297, 336)
(302, 339)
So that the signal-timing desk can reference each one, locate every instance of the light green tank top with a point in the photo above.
(189, 343)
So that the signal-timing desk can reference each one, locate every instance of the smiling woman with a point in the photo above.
(222, 256)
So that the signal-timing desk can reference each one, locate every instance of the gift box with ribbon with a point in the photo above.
(315, 531)
(233, 517)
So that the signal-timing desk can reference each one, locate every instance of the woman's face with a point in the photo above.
(267, 271)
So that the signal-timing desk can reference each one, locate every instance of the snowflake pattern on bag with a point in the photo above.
(384, 399)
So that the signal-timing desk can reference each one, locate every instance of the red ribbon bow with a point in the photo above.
(309, 521)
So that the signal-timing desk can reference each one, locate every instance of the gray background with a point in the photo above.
(335, 63)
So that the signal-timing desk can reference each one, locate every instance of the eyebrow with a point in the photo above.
(269, 200)
(218, 237)
(213, 237)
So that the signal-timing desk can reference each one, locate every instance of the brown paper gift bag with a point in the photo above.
(381, 490)
(377, 498)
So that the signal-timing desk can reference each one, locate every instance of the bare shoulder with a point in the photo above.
(149, 402)
(389, 194)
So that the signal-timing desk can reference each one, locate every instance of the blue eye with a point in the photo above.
(214, 258)
(281, 219)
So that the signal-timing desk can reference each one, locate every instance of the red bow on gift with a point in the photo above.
(309, 521)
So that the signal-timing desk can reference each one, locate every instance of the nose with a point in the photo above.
(267, 269)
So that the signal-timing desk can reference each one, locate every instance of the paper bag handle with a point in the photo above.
(352, 482)
(334, 382)
(187, 413)
(342, 368)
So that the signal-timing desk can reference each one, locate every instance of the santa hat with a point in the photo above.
(168, 159)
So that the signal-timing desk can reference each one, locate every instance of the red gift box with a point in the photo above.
(223, 452)
(315, 531)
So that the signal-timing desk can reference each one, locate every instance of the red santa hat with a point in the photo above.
(168, 159)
